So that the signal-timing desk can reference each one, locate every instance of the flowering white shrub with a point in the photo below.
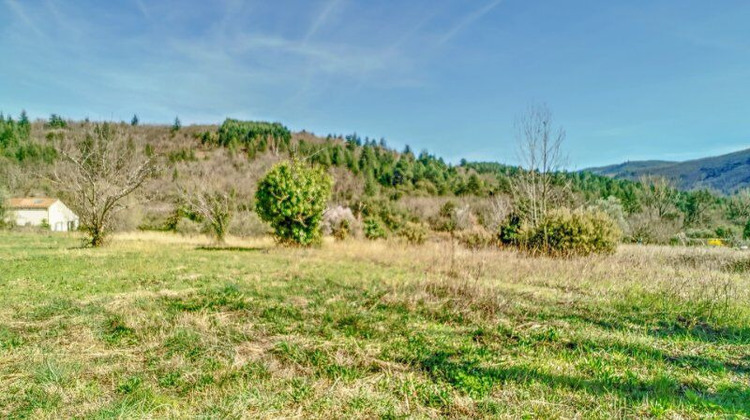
(340, 222)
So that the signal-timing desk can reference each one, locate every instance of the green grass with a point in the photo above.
(155, 326)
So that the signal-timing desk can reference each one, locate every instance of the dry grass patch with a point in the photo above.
(157, 326)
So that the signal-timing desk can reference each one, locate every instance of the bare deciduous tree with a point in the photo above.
(500, 207)
(659, 196)
(738, 206)
(22, 179)
(97, 169)
(215, 207)
(540, 155)
(659, 219)
(217, 189)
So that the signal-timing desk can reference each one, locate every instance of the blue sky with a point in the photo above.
(627, 79)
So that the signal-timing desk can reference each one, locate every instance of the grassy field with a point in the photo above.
(157, 326)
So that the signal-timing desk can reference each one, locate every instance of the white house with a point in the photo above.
(42, 211)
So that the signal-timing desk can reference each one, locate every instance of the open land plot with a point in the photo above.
(158, 326)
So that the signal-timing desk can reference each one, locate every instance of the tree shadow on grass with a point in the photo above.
(232, 248)
(638, 351)
(702, 331)
(477, 380)
(668, 328)
(78, 247)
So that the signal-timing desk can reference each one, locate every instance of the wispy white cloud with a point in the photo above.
(20, 12)
(279, 55)
(66, 23)
(326, 14)
(468, 20)
(143, 9)
(240, 61)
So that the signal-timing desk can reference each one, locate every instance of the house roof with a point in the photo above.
(32, 203)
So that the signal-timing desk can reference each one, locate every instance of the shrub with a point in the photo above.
(700, 233)
(648, 228)
(612, 207)
(339, 221)
(374, 229)
(692, 237)
(207, 137)
(385, 211)
(445, 221)
(746, 232)
(451, 218)
(491, 213)
(342, 230)
(566, 233)
(726, 233)
(510, 230)
(182, 155)
(414, 233)
(476, 238)
(292, 197)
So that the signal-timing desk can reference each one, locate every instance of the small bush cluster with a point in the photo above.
(726, 233)
(451, 218)
(374, 229)
(386, 212)
(563, 233)
(477, 237)
(342, 230)
(511, 230)
(339, 222)
(414, 233)
(612, 207)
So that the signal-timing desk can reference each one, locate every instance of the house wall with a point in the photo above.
(61, 218)
(30, 217)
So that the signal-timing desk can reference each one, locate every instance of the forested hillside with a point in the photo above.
(725, 174)
(383, 188)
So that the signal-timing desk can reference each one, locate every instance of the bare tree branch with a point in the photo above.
(97, 170)
(540, 155)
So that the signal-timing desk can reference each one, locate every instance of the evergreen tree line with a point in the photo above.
(16, 144)
(389, 174)
(385, 168)
(253, 137)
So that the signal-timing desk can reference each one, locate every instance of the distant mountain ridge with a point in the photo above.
(725, 173)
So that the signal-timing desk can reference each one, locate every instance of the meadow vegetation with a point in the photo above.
(206, 177)
(157, 325)
(415, 288)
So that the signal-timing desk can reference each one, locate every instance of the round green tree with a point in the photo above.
(292, 198)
